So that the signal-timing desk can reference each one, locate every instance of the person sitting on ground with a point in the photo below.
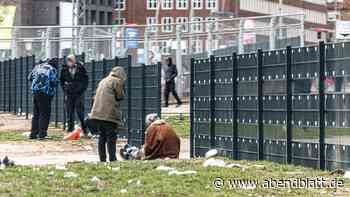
(161, 142)
(105, 116)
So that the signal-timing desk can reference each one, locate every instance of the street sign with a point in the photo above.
(131, 35)
(342, 30)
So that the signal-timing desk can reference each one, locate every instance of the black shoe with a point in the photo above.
(33, 137)
(166, 105)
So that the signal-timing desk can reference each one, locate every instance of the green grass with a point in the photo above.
(181, 125)
(54, 135)
(48, 181)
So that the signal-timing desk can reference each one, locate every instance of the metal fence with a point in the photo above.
(142, 92)
(288, 106)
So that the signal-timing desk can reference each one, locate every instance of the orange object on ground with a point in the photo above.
(74, 135)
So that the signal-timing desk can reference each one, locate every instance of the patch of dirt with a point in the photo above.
(11, 122)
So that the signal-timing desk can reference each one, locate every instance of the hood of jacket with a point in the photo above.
(119, 73)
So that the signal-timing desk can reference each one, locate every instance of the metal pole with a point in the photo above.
(240, 37)
(9, 86)
(159, 83)
(321, 78)
(15, 89)
(192, 148)
(234, 107)
(143, 103)
(114, 42)
(302, 30)
(47, 43)
(210, 38)
(179, 59)
(5, 82)
(146, 47)
(14, 51)
(260, 105)
(272, 37)
(22, 77)
(212, 101)
(289, 103)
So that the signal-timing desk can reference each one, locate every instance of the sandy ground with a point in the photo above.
(52, 152)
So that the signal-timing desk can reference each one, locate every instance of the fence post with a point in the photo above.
(129, 97)
(143, 102)
(159, 82)
(260, 105)
(2, 84)
(192, 148)
(27, 88)
(93, 75)
(289, 116)
(5, 85)
(63, 103)
(322, 111)
(234, 107)
(212, 100)
(21, 86)
(9, 87)
(15, 88)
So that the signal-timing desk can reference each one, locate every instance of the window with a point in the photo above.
(151, 21)
(109, 18)
(166, 24)
(102, 2)
(216, 24)
(197, 27)
(120, 4)
(167, 4)
(184, 23)
(152, 4)
(102, 18)
(120, 21)
(165, 47)
(196, 46)
(197, 4)
(181, 4)
(212, 4)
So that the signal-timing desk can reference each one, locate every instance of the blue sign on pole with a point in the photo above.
(131, 38)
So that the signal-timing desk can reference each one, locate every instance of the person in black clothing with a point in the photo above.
(170, 75)
(74, 82)
(44, 83)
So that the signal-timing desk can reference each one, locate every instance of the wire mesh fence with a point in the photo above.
(287, 106)
(142, 92)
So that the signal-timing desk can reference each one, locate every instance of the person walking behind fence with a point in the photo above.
(170, 75)
(105, 116)
(44, 83)
(74, 82)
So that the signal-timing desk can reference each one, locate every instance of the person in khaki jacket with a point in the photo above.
(106, 114)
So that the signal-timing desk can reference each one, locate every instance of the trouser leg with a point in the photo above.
(70, 108)
(102, 144)
(111, 142)
(174, 92)
(79, 107)
(35, 119)
(166, 94)
(44, 114)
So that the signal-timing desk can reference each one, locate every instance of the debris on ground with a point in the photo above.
(115, 169)
(214, 163)
(188, 172)
(211, 153)
(60, 167)
(51, 173)
(70, 175)
(234, 165)
(165, 168)
(95, 179)
(26, 134)
(337, 172)
(123, 190)
(347, 175)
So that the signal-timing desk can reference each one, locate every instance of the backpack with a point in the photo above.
(44, 79)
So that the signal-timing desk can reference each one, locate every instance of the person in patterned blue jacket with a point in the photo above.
(44, 81)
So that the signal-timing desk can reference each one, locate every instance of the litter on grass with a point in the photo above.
(214, 163)
(188, 172)
(95, 179)
(60, 167)
(347, 175)
(70, 175)
(211, 153)
(165, 168)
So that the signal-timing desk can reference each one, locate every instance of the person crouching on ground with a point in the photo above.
(161, 142)
(44, 83)
(106, 113)
(74, 82)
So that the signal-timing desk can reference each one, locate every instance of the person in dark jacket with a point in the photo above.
(44, 83)
(106, 115)
(170, 75)
(74, 82)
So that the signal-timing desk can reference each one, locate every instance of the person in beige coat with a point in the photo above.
(105, 114)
